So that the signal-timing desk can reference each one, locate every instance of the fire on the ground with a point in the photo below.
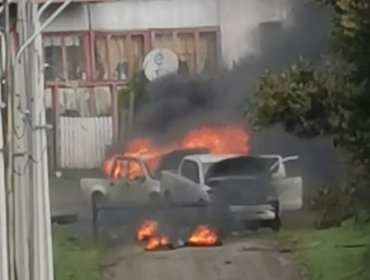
(149, 232)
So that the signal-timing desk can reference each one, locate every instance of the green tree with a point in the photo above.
(333, 99)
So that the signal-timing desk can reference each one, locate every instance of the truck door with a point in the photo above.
(289, 189)
(188, 188)
(130, 187)
(290, 192)
(118, 181)
(136, 189)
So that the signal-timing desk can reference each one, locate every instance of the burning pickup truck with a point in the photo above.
(251, 188)
(130, 180)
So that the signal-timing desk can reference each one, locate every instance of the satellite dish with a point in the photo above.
(160, 62)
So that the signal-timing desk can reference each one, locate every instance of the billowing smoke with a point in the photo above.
(179, 103)
(182, 103)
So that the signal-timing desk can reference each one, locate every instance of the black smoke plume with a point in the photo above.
(178, 103)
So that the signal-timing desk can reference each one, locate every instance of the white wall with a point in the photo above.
(238, 19)
(74, 18)
(84, 141)
(239, 22)
(139, 14)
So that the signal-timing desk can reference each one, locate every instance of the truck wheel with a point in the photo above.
(97, 200)
(276, 224)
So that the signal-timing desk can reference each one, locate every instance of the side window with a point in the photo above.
(119, 169)
(135, 171)
(190, 170)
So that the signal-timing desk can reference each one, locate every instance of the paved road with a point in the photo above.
(235, 260)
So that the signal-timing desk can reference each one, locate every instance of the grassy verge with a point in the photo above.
(334, 254)
(75, 259)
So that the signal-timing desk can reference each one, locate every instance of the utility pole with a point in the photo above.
(42, 252)
(10, 223)
(25, 219)
(4, 262)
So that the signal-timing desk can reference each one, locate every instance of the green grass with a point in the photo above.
(326, 254)
(75, 259)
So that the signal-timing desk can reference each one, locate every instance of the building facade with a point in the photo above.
(94, 48)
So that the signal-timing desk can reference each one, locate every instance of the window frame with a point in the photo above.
(197, 175)
(108, 34)
(195, 31)
(149, 43)
(86, 51)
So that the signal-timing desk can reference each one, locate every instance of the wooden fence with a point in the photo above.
(84, 140)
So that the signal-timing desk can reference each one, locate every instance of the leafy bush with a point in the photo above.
(335, 203)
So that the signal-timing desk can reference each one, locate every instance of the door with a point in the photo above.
(135, 189)
(188, 189)
(289, 189)
(130, 188)
(290, 193)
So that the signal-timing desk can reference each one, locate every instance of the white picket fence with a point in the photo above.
(84, 141)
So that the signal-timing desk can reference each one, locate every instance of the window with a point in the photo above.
(197, 50)
(118, 57)
(65, 58)
(135, 170)
(208, 53)
(190, 170)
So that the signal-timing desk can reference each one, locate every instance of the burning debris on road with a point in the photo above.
(202, 236)
(147, 230)
(158, 243)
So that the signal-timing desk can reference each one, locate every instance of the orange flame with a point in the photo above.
(147, 230)
(203, 236)
(157, 242)
(218, 140)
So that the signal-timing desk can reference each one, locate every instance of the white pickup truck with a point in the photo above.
(125, 191)
(252, 188)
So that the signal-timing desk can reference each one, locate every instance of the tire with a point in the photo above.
(275, 224)
(97, 201)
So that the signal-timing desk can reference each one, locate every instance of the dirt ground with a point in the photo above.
(238, 259)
